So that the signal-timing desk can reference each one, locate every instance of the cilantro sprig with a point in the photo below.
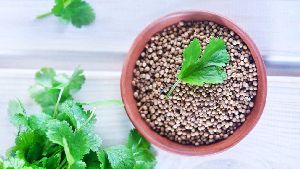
(63, 136)
(78, 12)
(199, 68)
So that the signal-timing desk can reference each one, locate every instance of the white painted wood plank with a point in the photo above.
(273, 144)
(273, 24)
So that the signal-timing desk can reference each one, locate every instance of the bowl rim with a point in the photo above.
(130, 103)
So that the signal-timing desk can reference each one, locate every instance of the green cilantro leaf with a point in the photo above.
(38, 123)
(91, 160)
(43, 92)
(207, 69)
(17, 113)
(45, 76)
(80, 120)
(191, 58)
(29, 146)
(78, 165)
(1, 163)
(70, 84)
(136, 141)
(50, 85)
(143, 166)
(211, 75)
(78, 12)
(102, 157)
(74, 112)
(215, 54)
(63, 136)
(13, 163)
(53, 161)
(76, 144)
(93, 139)
(44, 96)
(203, 68)
(49, 163)
(59, 130)
(143, 155)
(120, 157)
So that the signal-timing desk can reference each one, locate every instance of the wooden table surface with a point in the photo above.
(27, 44)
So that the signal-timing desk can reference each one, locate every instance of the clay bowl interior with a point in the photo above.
(130, 103)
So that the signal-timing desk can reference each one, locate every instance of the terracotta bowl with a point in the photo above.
(130, 103)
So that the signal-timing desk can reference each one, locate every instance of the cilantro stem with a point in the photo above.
(61, 90)
(173, 88)
(44, 15)
(63, 163)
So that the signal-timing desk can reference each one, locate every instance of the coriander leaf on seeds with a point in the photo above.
(191, 56)
(211, 75)
(208, 66)
(215, 54)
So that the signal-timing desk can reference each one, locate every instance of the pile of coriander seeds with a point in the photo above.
(193, 115)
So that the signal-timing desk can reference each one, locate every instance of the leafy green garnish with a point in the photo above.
(199, 68)
(63, 136)
(59, 132)
(29, 146)
(14, 163)
(120, 157)
(141, 150)
(91, 160)
(137, 154)
(78, 12)
(17, 113)
(1, 163)
(52, 88)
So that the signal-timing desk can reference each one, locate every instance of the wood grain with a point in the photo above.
(273, 24)
(273, 144)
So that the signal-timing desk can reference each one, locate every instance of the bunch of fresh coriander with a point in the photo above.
(63, 135)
